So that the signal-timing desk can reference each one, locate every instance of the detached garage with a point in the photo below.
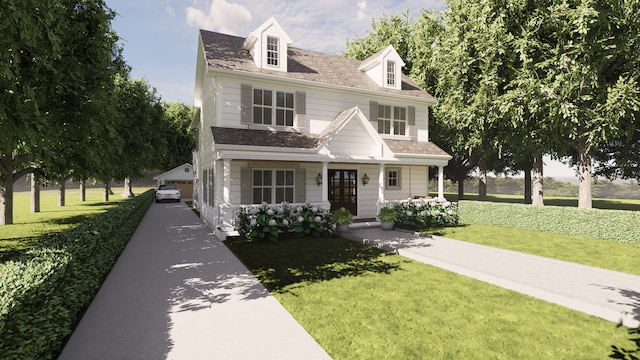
(181, 176)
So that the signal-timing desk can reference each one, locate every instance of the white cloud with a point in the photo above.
(171, 11)
(222, 16)
(362, 5)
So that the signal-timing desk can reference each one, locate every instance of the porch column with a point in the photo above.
(381, 182)
(226, 180)
(325, 184)
(427, 193)
(440, 182)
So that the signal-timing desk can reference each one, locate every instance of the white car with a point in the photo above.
(168, 192)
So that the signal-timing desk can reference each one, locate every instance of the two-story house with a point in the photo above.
(278, 124)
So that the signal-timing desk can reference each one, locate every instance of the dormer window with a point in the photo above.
(273, 51)
(391, 73)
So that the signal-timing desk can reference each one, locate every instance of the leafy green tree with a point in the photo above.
(179, 135)
(54, 53)
(589, 77)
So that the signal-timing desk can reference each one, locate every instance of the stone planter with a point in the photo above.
(342, 227)
(386, 225)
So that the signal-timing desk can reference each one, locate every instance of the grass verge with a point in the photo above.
(594, 252)
(361, 303)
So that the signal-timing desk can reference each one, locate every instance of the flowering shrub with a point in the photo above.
(421, 213)
(268, 221)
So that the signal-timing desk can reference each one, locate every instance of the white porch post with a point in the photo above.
(381, 182)
(427, 193)
(325, 184)
(440, 182)
(226, 180)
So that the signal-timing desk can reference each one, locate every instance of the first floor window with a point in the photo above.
(393, 178)
(273, 186)
(392, 120)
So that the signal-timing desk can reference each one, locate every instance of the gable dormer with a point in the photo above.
(384, 67)
(268, 46)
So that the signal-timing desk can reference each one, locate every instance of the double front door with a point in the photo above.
(343, 190)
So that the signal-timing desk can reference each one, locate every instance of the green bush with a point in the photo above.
(44, 292)
(614, 225)
(412, 214)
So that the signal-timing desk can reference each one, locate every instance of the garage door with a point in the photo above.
(185, 186)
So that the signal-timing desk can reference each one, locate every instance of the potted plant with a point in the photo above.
(387, 216)
(343, 219)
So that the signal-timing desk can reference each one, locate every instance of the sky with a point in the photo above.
(160, 37)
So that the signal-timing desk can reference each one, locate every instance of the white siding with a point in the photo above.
(350, 141)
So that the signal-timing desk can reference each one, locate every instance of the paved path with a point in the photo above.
(611, 295)
(177, 292)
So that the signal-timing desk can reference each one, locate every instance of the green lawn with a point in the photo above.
(30, 229)
(600, 253)
(361, 303)
(611, 204)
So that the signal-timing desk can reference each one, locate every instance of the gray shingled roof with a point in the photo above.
(284, 139)
(225, 52)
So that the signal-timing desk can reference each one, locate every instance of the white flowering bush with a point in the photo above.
(267, 222)
(421, 213)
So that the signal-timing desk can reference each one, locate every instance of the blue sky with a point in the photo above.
(160, 37)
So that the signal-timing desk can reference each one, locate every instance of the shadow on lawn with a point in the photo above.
(294, 261)
(631, 353)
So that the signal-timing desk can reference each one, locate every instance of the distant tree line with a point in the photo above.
(601, 188)
(68, 107)
(519, 79)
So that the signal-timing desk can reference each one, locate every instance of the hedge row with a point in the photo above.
(614, 225)
(44, 292)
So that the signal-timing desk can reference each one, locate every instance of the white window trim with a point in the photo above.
(275, 53)
(392, 120)
(274, 185)
(387, 177)
(274, 108)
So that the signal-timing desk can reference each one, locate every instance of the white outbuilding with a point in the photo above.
(182, 176)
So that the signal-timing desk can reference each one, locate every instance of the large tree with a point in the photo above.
(50, 48)
(589, 76)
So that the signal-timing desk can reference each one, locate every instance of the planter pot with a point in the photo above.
(386, 225)
(342, 227)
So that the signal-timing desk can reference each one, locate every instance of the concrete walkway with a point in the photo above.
(611, 295)
(177, 292)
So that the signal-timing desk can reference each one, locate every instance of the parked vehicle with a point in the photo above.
(168, 192)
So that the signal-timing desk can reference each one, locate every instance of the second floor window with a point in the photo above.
(392, 120)
(272, 51)
(265, 109)
(391, 73)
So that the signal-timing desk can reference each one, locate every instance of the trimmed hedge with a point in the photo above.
(44, 292)
(613, 225)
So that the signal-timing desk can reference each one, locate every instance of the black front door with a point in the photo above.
(343, 190)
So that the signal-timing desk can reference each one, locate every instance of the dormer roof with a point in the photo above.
(268, 46)
(384, 67)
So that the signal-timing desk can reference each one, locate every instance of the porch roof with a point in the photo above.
(294, 140)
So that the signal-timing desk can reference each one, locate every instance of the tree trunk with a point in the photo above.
(538, 179)
(62, 190)
(584, 177)
(35, 194)
(107, 190)
(461, 189)
(83, 191)
(527, 185)
(6, 200)
(482, 181)
(127, 193)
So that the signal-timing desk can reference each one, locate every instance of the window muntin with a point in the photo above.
(393, 178)
(392, 120)
(273, 49)
(391, 73)
(265, 110)
(270, 185)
